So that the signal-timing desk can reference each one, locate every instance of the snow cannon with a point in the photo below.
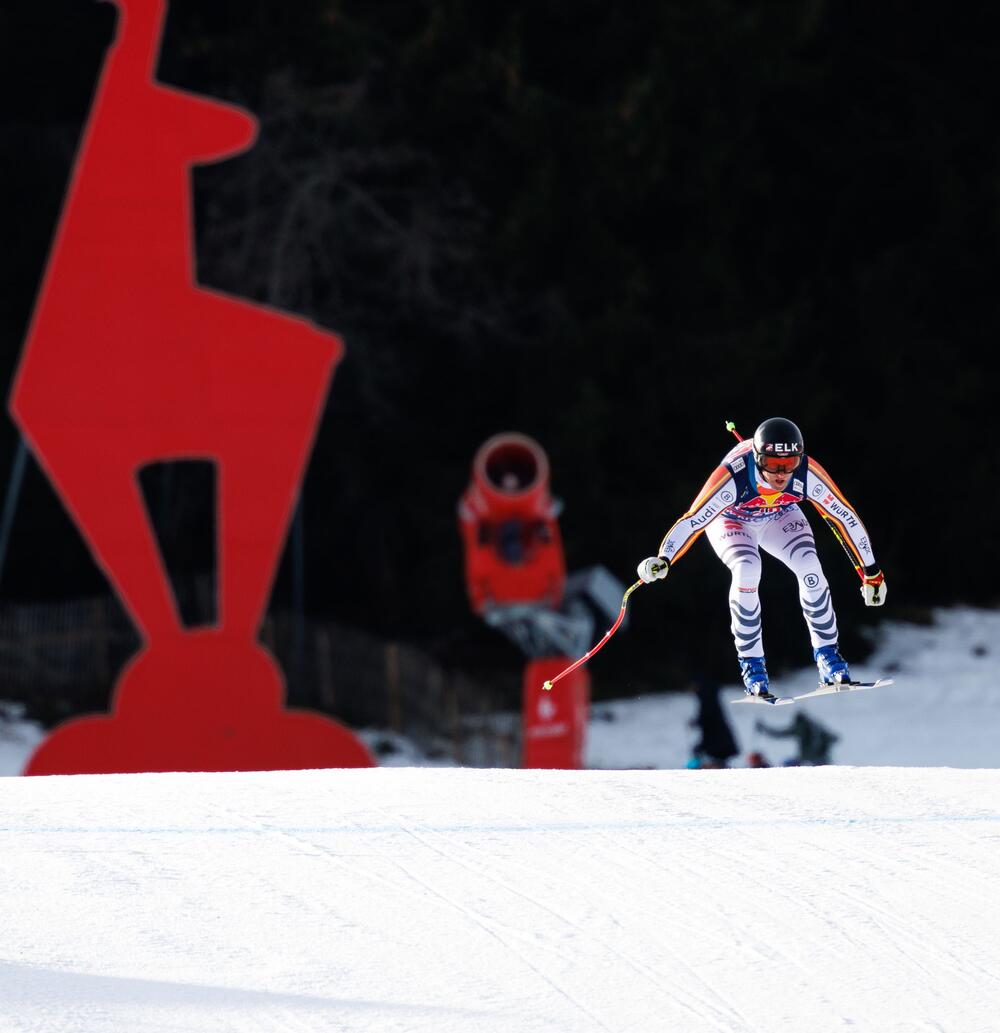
(516, 578)
(510, 529)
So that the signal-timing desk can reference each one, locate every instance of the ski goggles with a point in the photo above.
(778, 464)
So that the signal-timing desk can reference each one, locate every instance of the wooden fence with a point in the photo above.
(61, 659)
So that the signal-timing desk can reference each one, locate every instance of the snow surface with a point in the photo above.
(465, 901)
(858, 896)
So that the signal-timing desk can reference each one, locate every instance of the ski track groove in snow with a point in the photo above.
(919, 941)
(450, 855)
(706, 1010)
(715, 1004)
(488, 928)
(782, 915)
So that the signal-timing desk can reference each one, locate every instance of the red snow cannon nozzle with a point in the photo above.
(508, 518)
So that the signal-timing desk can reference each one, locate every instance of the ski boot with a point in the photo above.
(831, 665)
(754, 673)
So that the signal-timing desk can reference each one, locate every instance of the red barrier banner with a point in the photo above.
(554, 723)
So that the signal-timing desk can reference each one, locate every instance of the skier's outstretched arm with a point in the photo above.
(717, 494)
(775, 733)
(842, 517)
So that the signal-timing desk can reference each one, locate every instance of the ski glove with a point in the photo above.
(655, 568)
(873, 587)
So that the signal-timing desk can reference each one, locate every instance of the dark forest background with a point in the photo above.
(611, 227)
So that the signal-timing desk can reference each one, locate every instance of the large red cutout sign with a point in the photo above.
(129, 362)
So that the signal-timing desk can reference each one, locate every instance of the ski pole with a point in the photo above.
(840, 538)
(547, 685)
(731, 427)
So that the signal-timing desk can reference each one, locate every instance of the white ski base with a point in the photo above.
(774, 701)
(853, 686)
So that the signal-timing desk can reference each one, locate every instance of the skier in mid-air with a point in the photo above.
(751, 502)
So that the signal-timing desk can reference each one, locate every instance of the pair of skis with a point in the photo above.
(823, 690)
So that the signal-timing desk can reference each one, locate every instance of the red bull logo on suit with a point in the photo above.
(770, 501)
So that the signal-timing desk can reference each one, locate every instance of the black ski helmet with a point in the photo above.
(778, 438)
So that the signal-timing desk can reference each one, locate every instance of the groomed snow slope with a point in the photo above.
(464, 901)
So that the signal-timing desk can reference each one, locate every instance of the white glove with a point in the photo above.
(655, 568)
(873, 587)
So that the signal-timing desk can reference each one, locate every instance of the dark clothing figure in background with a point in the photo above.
(717, 744)
(815, 740)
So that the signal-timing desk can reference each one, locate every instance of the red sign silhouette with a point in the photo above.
(129, 362)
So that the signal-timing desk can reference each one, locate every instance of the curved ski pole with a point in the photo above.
(731, 427)
(547, 685)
